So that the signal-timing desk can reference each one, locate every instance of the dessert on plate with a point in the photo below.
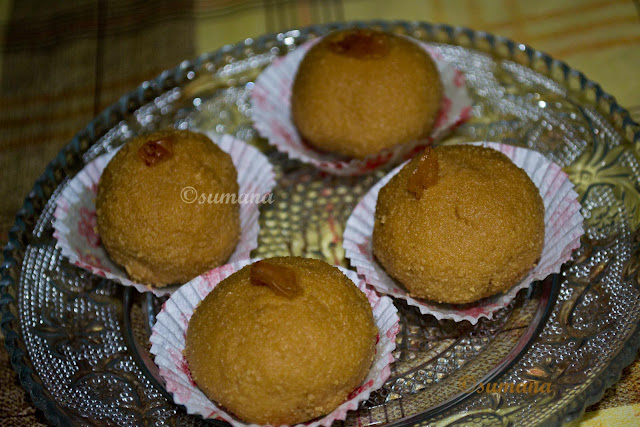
(459, 223)
(281, 341)
(360, 91)
(354, 100)
(143, 220)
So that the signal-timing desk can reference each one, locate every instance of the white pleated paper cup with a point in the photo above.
(169, 334)
(75, 227)
(271, 106)
(563, 229)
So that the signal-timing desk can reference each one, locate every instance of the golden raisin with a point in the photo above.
(425, 174)
(155, 151)
(281, 279)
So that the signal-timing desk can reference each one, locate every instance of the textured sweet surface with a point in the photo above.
(277, 360)
(591, 35)
(142, 220)
(475, 232)
(358, 92)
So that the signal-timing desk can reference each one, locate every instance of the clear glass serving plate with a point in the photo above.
(80, 343)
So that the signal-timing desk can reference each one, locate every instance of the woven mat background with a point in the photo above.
(62, 62)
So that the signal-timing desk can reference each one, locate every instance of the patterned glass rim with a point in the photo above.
(69, 161)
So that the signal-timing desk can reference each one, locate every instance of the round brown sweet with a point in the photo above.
(143, 221)
(272, 359)
(473, 233)
(360, 91)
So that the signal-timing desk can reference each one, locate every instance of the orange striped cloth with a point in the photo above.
(63, 62)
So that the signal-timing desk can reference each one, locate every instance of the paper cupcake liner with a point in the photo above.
(563, 228)
(169, 334)
(75, 216)
(271, 105)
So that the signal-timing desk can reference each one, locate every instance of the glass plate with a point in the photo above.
(80, 343)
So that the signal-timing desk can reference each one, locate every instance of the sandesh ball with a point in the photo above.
(144, 223)
(359, 91)
(276, 359)
(475, 231)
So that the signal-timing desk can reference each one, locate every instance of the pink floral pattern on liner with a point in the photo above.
(168, 343)
(563, 229)
(75, 227)
(271, 104)
(87, 226)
